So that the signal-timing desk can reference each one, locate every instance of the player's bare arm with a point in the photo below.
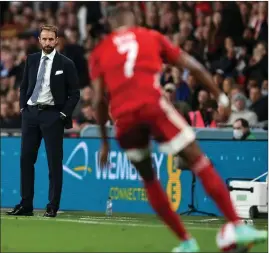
(197, 69)
(101, 113)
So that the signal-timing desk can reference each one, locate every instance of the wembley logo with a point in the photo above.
(84, 169)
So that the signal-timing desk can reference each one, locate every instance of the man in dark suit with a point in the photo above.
(48, 95)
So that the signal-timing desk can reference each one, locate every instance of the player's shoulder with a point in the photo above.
(146, 31)
(151, 34)
(155, 34)
(94, 53)
(97, 51)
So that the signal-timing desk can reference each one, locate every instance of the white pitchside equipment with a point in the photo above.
(250, 198)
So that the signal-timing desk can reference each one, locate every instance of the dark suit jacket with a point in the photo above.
(64, 87)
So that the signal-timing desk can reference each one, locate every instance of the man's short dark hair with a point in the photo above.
(50, 28)
(244, 122)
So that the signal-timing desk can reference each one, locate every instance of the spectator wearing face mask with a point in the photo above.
(241, 130)
(240, 110)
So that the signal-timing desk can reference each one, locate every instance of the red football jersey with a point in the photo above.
(130, 61)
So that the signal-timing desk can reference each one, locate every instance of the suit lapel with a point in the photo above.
(55, 66)
(37, 62)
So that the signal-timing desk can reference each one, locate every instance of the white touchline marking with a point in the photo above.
(111, 217)
(117, 220)
(101, 222)
(139, 220)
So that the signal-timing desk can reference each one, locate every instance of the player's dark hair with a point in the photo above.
(118, 13)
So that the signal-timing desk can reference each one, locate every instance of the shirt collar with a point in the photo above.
(50, 56)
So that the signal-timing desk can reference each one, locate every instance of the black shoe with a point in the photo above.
(19, 210)
(50, 213)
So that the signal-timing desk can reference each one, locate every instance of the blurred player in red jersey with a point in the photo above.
(126, 64)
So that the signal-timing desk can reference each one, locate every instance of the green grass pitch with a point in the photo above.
(92, 232)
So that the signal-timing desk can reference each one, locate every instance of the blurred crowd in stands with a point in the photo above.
(229, 38)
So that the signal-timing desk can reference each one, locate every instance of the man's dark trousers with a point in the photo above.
(38, 123)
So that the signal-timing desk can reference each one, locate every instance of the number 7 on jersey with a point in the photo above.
(130, 48)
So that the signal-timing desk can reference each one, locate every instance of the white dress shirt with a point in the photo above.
(45, 96)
